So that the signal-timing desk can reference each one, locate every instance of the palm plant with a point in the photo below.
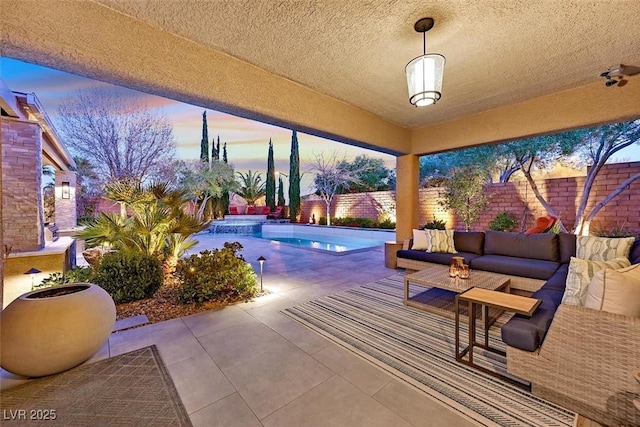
(158, 226)
(251, 186)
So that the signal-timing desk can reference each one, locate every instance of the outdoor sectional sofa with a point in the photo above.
(577, 357)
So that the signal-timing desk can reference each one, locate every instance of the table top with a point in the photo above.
(510, 302)
(438, 277)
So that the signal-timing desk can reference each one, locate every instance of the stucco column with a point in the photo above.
(407, 186)
(66, 212)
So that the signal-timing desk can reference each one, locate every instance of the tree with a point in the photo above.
(121, 138)
(270, 190)
(251, 186)
(204, 142)
(329, 179)
(294, 179)
(224, 154)
(217, 150)
(281, 201)
(202, 182)
(464, 194)
(597, 146)
(372, 175)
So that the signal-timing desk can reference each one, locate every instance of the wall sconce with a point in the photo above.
(261, 260)
(66, 191)
(424, 73)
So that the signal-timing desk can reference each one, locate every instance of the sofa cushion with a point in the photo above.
(558, 281)
(615, 291)
(594, 248)
(634, 253)
(527, 333)
(436, 258)
(419, 240)
(534, 246)
(440, 241)
(524, 267)
(551, 299)
(469, 241)
(567, 246)
(580, 274)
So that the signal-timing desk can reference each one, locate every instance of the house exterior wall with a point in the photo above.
(66, 210)
(22, 210)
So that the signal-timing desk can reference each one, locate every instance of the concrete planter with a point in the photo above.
(54, 329)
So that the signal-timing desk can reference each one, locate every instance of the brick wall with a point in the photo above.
(22, 210)
(515, 197)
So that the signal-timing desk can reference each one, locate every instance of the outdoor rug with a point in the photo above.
(418, 348)
(133, 389)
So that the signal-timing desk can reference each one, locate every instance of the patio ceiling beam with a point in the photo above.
(92, 40)
(585, 106)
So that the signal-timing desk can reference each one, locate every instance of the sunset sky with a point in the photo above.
(247, 140)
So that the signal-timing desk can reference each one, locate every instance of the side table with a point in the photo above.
(487, 298)
(390, 254)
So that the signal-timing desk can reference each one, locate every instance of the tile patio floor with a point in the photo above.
(248, 365)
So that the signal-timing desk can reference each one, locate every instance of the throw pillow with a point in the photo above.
(419, 240)
(615, 291)
(580, 274)
(594, 248)
(440, 241)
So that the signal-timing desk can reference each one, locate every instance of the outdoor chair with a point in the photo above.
(276, 214)
(265, 210)
(251, 210)
(233, 210)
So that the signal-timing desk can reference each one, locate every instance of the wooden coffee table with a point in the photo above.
(443, 303)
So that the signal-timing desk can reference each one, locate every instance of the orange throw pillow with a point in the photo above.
(543, 224)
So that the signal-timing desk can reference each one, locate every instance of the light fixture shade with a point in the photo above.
(424, 79)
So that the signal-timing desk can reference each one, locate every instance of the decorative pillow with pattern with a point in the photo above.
(440, 241)
(419, 240)
(594, 248)
(615, 291)
(580, 274)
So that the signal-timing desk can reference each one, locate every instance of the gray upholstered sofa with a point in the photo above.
(575, 356)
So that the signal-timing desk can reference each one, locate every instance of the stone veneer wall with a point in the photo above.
(22, 210)
(66, 211)
(514, 197)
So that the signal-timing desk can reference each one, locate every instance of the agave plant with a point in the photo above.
(251, 186)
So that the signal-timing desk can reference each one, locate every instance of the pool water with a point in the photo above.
(331, 244)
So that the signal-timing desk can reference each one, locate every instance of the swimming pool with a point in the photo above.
(336, 241)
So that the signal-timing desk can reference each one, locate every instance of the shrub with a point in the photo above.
(387, 224)
(617, 230)
(75, 275)
(436, 224)
(504, 221)
(128, 276)
(216, 275)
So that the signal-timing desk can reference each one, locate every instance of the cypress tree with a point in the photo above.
(294, 179)
(204, 142)
(218, 149)
(270, 187)
(281, 201)
(224, 153)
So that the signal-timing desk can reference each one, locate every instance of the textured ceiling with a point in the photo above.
(498, 51)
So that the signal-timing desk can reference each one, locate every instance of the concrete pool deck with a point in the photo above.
(248, 365)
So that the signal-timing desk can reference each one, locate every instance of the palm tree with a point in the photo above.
(251, 186)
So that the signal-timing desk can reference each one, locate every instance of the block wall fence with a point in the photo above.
(515, 197)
